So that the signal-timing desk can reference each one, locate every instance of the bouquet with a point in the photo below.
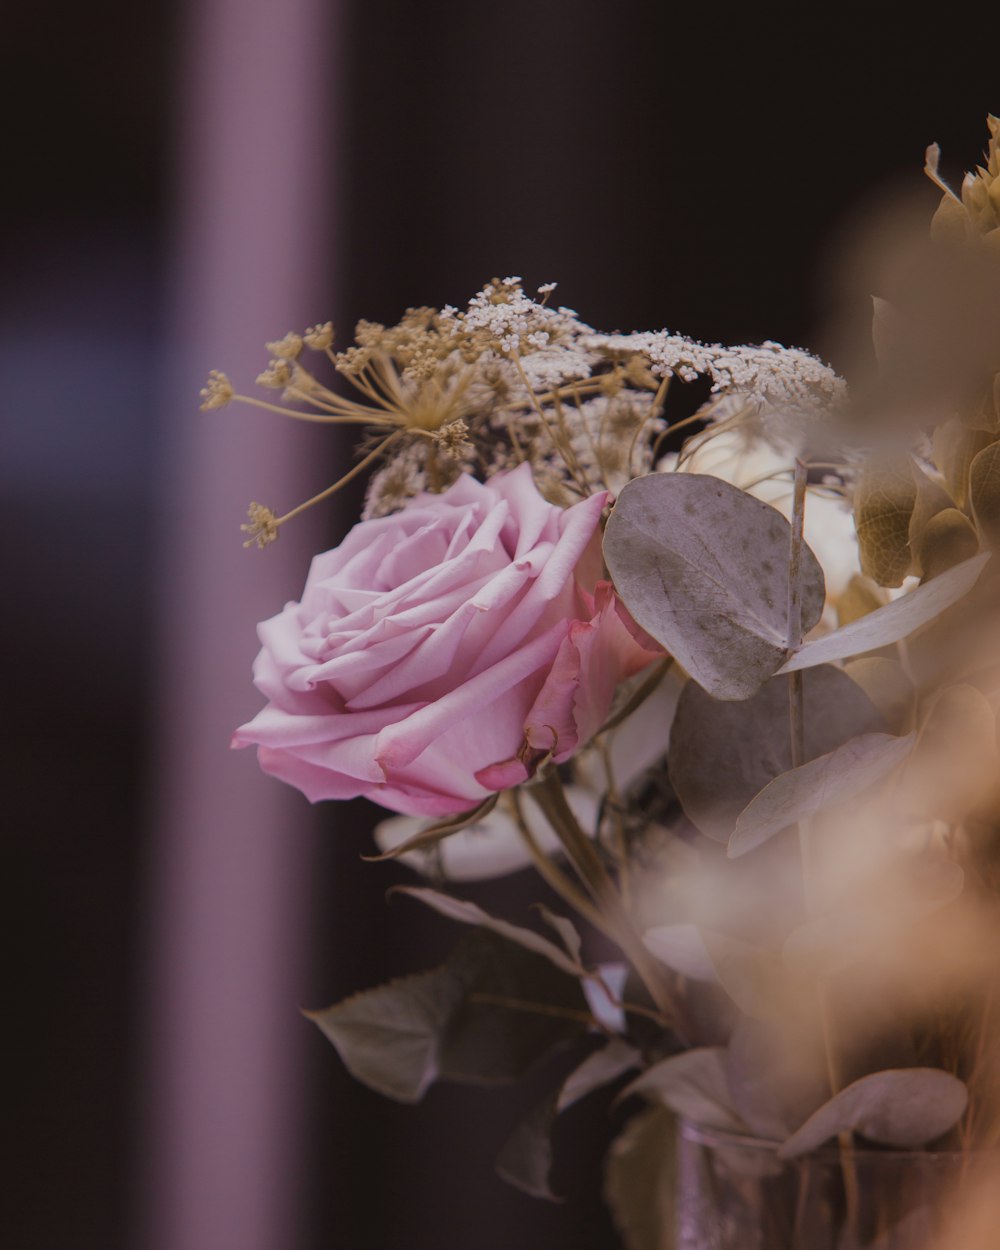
(728, 681)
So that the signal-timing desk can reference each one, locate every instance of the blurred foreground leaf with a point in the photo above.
(640, 1180)
(820, 784)
(903, 1107)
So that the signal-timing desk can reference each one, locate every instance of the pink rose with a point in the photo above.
(440, 652)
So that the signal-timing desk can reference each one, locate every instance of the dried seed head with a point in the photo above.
(217, 391)
(262, 528)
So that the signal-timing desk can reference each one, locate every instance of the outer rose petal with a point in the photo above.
(433, 647)
(574, 702)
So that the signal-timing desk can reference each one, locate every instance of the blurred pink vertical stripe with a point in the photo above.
(228, 889)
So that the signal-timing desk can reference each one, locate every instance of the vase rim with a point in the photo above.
(708, 1135)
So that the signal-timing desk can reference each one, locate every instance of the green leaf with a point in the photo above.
(692, 1084)
(821, 783)
(902, 1107)
(703, 568)
(895, 621)
(518, 1009)
(722, 754)
(640, 1181)
(566, 931)
(389, 1037)
(468, 913)
(600, 1068)
(487, 1015)
(525, 1160)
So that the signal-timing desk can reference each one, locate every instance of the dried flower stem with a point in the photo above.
(796, 727)
(550, 872)
(550, 797)
(349, 476)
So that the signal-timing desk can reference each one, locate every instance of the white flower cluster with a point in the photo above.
(776, 375)
(584, 408)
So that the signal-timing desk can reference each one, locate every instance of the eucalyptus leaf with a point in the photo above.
(902, 1107)
(895, 621)
(821, 783)
(692, 1084)
(600, 1068)
(640, 1181)
(703, 568)
(722, 754)
(525, 1161)
(468, 913)
(566, 930)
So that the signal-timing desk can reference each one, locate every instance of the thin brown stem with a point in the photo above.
(550, 797)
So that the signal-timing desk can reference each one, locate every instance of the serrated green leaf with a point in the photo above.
(525, 1161)
(468, 913)
(487, 1015)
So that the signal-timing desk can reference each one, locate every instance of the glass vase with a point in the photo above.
(734, 1193)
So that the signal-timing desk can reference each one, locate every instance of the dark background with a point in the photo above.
(671, 166)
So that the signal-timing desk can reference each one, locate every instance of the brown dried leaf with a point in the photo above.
(932, 498)
(861, 597)
(946, 540)
(886, 683)
(883, 504)
(984, 492)
(955, 448)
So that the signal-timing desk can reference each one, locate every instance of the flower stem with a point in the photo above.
(548, 793)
